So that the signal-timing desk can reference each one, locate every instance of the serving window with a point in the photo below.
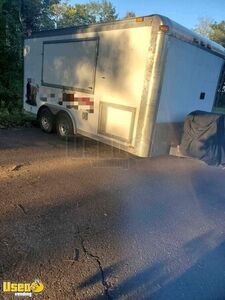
(70, 64)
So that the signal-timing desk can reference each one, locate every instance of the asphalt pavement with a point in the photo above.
(92, 222)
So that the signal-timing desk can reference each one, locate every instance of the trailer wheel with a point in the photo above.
(46, 120)
(64, 126)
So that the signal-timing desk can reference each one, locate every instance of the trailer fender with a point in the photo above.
(55, 110)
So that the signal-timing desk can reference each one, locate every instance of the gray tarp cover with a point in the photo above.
(204, 137)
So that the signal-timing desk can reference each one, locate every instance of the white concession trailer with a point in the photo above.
(129, 83)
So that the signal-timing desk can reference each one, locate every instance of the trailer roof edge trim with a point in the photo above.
(175, 29)
(188, 35)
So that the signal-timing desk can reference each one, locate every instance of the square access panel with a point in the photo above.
(116, 121)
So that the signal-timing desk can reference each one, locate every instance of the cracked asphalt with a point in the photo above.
(93, 222)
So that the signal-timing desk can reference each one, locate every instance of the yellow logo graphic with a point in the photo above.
(23, 289)
(37, 286)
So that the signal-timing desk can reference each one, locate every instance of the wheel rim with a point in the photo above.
(64, 129)
(45, 123)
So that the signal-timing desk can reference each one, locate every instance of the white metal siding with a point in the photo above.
(189, 71)
(119, 74)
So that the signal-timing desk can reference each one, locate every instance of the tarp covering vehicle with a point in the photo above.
(204, 137)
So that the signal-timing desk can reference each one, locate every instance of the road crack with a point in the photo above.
(98, 261)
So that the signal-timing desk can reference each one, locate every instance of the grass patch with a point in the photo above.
(14, 117)
(219, 110)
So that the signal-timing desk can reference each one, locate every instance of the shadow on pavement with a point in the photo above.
(92, 220)
(160, 281)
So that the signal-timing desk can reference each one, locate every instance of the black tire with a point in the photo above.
(46, 120)
(64, 126)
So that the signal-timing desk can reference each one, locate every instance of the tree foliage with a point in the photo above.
(70, 15)
(218, 33)
(130, 14)
(105, 12)
(83, 14)
(10, 50)
(204, 26)
(18, 18)
(211, 29)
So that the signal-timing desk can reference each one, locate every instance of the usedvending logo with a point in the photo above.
(20, 289)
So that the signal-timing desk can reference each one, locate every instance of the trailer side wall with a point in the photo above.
(189, 83)
(116, 82)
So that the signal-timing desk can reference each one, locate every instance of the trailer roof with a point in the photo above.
(174, 29)
(188, 35)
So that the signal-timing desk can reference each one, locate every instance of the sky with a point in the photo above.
(185, 12)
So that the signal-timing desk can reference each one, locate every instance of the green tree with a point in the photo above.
(106, 12)
(204, 26)
(10, 52)
(83, 14)
(218, 32)
(68, 15)
(212, 30)
(130, 14)
(36, 14)
(17, 19)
